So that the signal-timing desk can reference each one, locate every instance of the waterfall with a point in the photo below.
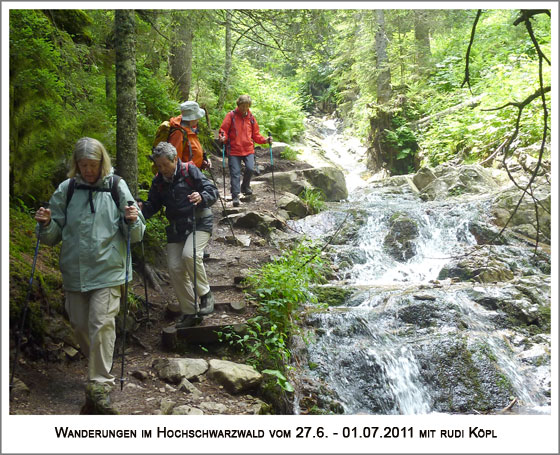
(406, 342)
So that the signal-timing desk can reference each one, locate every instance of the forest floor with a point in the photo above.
(57, 387)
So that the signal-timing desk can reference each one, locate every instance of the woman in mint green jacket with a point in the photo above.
(93, 230)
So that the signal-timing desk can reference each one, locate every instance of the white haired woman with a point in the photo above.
(89, 214)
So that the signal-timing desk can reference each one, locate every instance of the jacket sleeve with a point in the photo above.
(138, 227)
(52, 234)
(204, 186)
(226, 125)
(154, 202)
(257, 137)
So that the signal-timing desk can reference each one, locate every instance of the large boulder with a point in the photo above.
(174, 370)
(235, 377)
(329, 180)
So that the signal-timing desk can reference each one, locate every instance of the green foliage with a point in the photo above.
(289, 154)
(314, 198)
(278, 288)
(280, 380)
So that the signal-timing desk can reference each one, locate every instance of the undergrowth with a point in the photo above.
(279, 288)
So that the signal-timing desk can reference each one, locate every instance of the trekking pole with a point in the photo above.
(224, 167)
(196, 307)
(130, 203)
(145, 285)
(223, 205)
(272, 164)
(25, 305)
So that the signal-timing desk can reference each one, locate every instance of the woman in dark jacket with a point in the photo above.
(183, 190)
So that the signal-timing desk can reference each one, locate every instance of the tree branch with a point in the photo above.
(467, 58)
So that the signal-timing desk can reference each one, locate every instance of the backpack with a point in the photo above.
(113, 190)
(164, 131)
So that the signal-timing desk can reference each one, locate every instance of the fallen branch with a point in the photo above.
(427, 120)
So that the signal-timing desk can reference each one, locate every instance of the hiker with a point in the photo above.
(180, 187)
(83, 213)
(184, 135)
(239, 130)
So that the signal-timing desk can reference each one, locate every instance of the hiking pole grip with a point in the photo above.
(27, 297)
(129, 204)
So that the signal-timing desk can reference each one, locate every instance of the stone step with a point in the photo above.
(205, 334)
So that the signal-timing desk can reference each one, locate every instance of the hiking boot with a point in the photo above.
(235, 200)
(206, 303)
(247, 191)
(98, 399)
(188, 320)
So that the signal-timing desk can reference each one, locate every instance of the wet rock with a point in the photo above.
(332, 295)
(173, 370)
(482, 265)
(399, 242)
(463, 378)
(235, 377)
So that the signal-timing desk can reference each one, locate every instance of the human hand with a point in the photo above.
(195, 198)
(43, 216)
(131, 213)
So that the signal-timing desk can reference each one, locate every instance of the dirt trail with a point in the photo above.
(57, 387)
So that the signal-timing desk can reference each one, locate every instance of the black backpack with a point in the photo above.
(113, 190)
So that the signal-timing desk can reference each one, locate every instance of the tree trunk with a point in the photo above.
(379, 155)
(422, 40)
(180, 59)
(227, 67)
(125, 65)
(384, 91)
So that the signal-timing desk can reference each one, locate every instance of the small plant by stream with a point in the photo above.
(278, 289)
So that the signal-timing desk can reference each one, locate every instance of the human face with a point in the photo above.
(243, 108)
(166, 167)
(193, 123)
(90, 170)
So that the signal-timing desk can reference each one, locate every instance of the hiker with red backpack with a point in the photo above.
(184, 191)
(183, 135)
(239, 131)
(89, 213)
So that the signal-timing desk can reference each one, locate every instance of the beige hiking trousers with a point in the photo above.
(181, 270)
(92, 316)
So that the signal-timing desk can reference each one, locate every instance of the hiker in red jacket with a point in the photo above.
(183, 136)
(239, 130)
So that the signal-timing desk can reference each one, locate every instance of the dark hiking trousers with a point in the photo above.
(234, 163)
